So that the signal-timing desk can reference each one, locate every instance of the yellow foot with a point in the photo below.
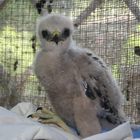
(46, 116)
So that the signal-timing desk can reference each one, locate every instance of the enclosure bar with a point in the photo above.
(91, 8)
(133, 7)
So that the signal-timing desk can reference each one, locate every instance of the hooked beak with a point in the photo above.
(56, 36)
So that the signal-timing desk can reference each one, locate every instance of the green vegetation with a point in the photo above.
(17, 26)
(16, 30)
(129, 57)
(12, 49)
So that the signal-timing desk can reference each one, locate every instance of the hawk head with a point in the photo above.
(54, 30)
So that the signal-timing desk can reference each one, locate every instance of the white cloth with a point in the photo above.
(24, 109)
(16, 127)
(122, 132)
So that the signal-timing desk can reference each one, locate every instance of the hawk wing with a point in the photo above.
(100, 84)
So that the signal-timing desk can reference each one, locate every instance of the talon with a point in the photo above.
(46, 116)
(39, 108)
(30, 116)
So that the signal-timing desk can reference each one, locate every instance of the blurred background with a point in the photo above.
(111, 29)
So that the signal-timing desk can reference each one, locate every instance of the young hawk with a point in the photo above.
(79, 84)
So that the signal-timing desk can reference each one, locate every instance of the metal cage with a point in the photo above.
(110, 28)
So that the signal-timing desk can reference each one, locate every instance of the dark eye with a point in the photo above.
(66, 33)
(46, 34)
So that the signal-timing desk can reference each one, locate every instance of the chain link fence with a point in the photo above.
(111, 28)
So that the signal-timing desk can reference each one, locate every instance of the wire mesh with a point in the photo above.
(111, 31)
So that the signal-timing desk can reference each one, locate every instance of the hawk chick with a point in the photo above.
(79, 85)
